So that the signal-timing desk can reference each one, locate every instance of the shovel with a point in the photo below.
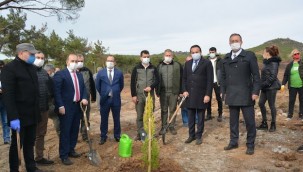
(92, 155)
(171, 119)
(19, 150)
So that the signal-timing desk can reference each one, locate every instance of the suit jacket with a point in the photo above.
(21, 92)
(104, 86)
(64, 89)
(240, 79)
(198, 83)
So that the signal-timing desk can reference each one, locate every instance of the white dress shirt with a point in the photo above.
(235, 54)
(72, 75)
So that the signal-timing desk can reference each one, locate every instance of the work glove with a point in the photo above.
(15, 125)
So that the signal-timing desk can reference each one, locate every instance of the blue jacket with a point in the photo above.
(103, 86)
(64, 89)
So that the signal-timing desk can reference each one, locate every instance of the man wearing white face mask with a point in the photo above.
(169, 88)
(45, 91)
(109, 84)
(69, 93)
(240, 87)
(91, 92)
(144, 79)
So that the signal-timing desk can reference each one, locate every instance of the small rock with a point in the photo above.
(284, 114)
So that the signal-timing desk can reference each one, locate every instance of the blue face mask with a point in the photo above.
(31, 59)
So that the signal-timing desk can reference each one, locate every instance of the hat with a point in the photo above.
(26, 47)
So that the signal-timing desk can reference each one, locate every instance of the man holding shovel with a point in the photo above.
(21, 99)
(169, 88)
(197, 85)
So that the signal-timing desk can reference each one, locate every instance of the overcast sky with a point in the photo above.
(128, 26)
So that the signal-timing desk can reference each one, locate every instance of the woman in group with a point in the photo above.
(292, 76)
(269, 86)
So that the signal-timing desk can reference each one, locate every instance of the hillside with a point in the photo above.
(285, 45)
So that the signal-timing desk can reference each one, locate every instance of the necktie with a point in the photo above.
(76, 87)
(234, 56)
(110, 81)
(195, 65)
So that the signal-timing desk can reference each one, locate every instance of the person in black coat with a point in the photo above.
(197, 87)
(240, 87)
(21, 99)
(269, 86)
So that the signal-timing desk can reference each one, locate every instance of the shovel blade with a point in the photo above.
(94, 158)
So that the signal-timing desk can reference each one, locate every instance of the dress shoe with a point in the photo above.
(173, 131)
(44, 161)
(208, 117)
(272, 127)
(102, 141)
(230, 147)
(117, 139)
(250, 150)
(300, 149)
(190, 139)
(74, 155)
(67, 161)
(162, 131)
(263, 126)
(198, 141)
(220, 118)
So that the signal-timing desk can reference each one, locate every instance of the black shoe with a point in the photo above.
(300, 149)
(162, 131)
(289, 117)
(173, 130)
(85, 138)
(230, 147)
(208, 117)
(272, 127)
(263, 126)
(250, 150)
(102, 141)
(7, 142)
(301, 116)
(190, 139)
(117, 139)
(220, 118)
(74, 155)
(44, 161)
(198, 141)
(67, 161)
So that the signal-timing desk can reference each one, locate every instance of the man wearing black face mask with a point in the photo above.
(21, 99)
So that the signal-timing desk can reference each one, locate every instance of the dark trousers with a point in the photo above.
(249, 117)
(104, 111)
(270, 96)
(69, 129)
(27, 139)
(292, 99)
(218, 98)
(200, 123)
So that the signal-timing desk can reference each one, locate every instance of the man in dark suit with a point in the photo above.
(240, 87)
(21, 99)
(197, 86)
(69, 93)
(109, 83)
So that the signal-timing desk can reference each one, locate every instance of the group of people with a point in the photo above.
(31, 93)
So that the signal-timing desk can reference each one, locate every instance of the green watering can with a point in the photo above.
(125, 146)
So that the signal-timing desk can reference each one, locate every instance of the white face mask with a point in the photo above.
(212, 55)
(145, 61)
(168, 59)
(80, 65)
(110, 65)
(72, 66)
(38, 62)
(52, 74)
(196, 56)
(235, 46)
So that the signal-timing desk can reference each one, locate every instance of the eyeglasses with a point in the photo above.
(296, 54)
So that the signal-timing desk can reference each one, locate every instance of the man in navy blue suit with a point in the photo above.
(109, 84)
(69, 92)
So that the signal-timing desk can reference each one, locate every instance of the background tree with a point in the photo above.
(63, 9)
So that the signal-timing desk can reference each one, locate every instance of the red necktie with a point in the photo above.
(76, 86)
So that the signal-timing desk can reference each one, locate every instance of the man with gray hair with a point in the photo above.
(169, 88)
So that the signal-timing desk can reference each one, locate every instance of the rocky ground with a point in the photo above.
(274, 151)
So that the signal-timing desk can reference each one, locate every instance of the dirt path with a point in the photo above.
(274, 151)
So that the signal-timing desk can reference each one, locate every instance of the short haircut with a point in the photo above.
(80, 55)
(235, 34)
(49, 67)
(272, 50)
(144, 52)
(169, 50)
(195, 46)
(213, 49)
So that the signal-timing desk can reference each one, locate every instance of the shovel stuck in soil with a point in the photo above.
(171, 119)
(19, 150)
(92, 155)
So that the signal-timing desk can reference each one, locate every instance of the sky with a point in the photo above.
(129, 26)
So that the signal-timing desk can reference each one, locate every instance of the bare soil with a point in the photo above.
(274, 151)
